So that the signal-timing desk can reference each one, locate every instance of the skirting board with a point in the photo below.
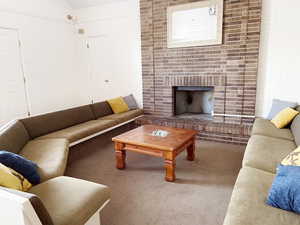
(103, 131)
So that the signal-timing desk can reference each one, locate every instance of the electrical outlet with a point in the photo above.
(69, 17)
(81, 31)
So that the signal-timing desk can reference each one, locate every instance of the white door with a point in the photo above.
(110, 63)
(101, 67)
(13, 102)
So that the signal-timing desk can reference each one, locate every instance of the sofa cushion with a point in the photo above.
(118, 105)
(266, 153)
(10, 178)
(49, 154)
(247, 205)
(130, 101)
(50, 122)
(123, 117)
(25, 167)
(284, 117)
(285, 190)
(82, 130)
(278, 105)
(71, 201)
(292, 159)
(267, 128)
(13, 137)
(101, 109)
(295, 128)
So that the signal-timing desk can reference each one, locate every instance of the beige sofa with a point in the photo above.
(45, 139)
(265, 150)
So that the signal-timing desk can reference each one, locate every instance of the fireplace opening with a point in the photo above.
(194, 102)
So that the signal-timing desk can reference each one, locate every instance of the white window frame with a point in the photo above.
(218, 4)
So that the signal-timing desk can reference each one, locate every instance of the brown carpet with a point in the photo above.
(140, 196)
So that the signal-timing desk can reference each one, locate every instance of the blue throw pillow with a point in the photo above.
(23, 166)
(285, 190)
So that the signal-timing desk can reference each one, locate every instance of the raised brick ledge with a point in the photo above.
(208, 130)
(199, 80)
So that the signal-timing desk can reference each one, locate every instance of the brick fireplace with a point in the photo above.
(230, 69)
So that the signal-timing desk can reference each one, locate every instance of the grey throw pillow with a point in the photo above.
(278, 105)
(130, 101)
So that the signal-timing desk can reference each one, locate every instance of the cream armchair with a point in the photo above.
(59, 201)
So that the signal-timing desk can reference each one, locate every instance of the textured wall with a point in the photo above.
(236, 58)
(232, 66)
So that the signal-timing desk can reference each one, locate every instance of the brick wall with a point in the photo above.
(235, 61)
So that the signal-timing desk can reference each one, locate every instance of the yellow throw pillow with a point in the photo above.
(118, 105)
(11, 179)
(284, 117)
(293, 159)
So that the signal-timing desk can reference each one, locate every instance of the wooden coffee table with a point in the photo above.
(142, 141)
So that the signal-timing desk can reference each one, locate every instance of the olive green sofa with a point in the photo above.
(45, 139)
(266, 148)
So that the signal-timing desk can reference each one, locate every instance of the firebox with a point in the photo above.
(195, 102)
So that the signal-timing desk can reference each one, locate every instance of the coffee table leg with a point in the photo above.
(191, 151)
(120, 156)
(170, 167)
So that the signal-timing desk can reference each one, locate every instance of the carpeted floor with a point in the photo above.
(140, 196)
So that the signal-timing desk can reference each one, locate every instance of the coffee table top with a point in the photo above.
(143, 136)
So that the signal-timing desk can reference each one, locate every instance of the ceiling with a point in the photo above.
(78, 4)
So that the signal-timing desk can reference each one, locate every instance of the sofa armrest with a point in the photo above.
(36, 203)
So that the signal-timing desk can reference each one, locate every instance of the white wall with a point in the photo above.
(279, 70)
(279, 54)
(55, 59)
(57, 64)
(113, 31)
(49, 52)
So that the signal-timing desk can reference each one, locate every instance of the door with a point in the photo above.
(101, 67)
(110, 65)
(13, 103)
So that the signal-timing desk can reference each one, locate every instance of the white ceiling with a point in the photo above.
(78, 4)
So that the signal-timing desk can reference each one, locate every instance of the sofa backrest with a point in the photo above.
(13, 137)
(295, 128)
(44, 124)
(101, 109)
(22, 208)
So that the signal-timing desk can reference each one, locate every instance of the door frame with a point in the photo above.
(89, 45)
(21, 61)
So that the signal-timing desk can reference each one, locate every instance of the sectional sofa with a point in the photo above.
(267, 147)
(45, 139)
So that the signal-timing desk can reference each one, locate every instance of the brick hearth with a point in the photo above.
(208, 130)
(231, 68)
